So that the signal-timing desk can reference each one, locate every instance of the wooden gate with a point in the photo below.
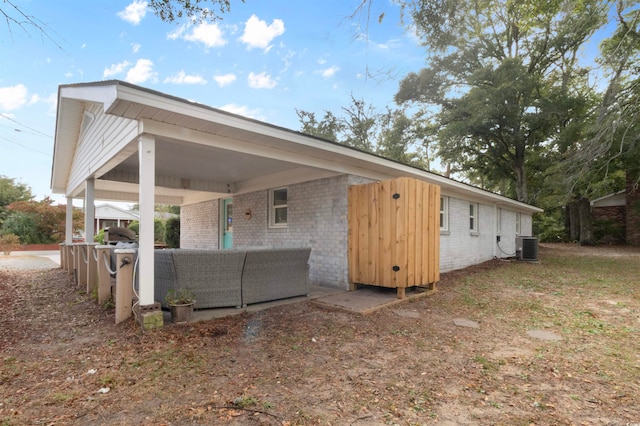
(394, 234)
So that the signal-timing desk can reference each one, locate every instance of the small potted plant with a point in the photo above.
(180, 303)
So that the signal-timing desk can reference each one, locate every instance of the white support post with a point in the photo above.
(68, 230)
(146, 199)
(89, 210)
(68, 236)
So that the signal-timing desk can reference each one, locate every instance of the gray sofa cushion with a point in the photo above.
(272, 274)
(213, 276)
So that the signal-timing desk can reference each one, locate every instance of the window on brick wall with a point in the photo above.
(517, 223)
(278, 208)
(473, 217)
(444, 214)
(498, 221)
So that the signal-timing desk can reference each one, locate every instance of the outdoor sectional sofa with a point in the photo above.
(224, 278)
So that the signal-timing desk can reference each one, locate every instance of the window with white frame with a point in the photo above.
(498, 221)
(473, 217)
(517, 223)
(278, 208)
(444, 213)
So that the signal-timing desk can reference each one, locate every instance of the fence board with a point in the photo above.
(394, 234)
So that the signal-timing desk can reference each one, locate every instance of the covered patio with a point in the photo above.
(115, 141)
(119, 142)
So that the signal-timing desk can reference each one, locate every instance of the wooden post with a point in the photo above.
(68, 258)
(92, 268)
(104, 277)
(125, 259)
(62, 256)
(83, 259)
(75, 251)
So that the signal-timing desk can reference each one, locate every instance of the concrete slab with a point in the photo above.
(368, 299)
(207, 314)
(463, 322)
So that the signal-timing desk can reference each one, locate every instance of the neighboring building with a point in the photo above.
(244, 183)
(616, 217)
(609, 215)
(108, 215)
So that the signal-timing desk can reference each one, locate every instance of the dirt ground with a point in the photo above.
(64, 362)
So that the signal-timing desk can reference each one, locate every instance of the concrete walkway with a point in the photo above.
(49, 254)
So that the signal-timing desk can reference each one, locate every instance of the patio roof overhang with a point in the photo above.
(203, 153)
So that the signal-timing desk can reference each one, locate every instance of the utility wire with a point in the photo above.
(36, 132)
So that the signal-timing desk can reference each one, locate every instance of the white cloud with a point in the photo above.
(13, 97)
(115, 69)
(183, 78)
(258, 34)
(206, 33)
(261, 81)
(243, 110)
(224, 79)
(135, 47)
(134, 13)
(142, 71)
(329, 72)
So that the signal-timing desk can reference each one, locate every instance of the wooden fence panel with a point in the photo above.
(394, 233)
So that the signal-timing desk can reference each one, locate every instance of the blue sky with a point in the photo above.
(263, 60)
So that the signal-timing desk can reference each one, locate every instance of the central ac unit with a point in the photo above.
(527, 248)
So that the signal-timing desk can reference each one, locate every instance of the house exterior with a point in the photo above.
(616, 216)
(108, 215)
(243, 183)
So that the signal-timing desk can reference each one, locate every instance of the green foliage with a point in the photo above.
(549, 226)
(390, 134)
(99, 238)
(328, 128)
(172, 232)
(10, 192)
(8, 243)
(180, 296)
(39, 222)
(504, 81)
(134, 225)
(158, 230)
(23, 225)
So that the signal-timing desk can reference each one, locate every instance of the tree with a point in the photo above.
(503, 79)
(10, 192)
(172, 232)
(614, 143)
(390, 134)
(328, 128)
(197, 10)
(39, 222)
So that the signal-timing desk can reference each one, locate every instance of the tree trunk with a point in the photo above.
(574, 220)
(586, 229)
(521, 181)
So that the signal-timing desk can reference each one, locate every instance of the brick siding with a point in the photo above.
(317, 218)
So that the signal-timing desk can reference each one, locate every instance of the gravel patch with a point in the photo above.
(26, 263)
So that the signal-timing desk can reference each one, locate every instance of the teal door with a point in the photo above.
(227, 223)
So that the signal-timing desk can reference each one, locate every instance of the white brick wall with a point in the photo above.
(459, 247)
(199, 225)
(317, 218)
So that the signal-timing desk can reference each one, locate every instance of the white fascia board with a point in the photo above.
(353, 161)
(104, 94)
